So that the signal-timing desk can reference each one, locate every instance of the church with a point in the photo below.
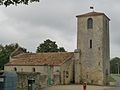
(89, 62)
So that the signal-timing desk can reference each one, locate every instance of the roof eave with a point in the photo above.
(85, 15)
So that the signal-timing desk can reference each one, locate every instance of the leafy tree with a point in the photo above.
(114, 63)
(16, 2)
(5, 52)
(49, 46)
(61, 49)
(3, 56)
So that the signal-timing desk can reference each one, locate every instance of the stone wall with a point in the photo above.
(93, 67)
(67, 72)
(40, 80)
(56, 75)
(53, 72)
(106, 47)
(41, 69)
(77, 66)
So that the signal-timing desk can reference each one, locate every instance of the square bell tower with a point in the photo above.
(93, 41)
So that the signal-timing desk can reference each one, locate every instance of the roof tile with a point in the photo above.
(25, 59)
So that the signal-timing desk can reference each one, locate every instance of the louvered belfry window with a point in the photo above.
(90, 23)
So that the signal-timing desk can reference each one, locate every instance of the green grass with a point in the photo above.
(111, 79)
(118, 75)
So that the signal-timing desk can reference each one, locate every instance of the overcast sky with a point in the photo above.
(54, 19)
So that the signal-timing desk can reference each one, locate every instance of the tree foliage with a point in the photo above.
(61, 49)
(49, 46)
(114, 64)
(16, 2)
(5, 52)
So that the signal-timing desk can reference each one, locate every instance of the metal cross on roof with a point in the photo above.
(92, 8)
(92, 5)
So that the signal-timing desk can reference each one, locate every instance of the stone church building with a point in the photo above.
(89, 62)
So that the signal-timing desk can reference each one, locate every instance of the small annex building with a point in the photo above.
(56, 66)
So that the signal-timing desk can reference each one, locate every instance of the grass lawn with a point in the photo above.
(118, 75)
(111, 79)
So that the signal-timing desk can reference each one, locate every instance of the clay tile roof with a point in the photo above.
(91, 14)
(31, 59)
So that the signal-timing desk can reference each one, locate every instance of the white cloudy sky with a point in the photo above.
(55, 20)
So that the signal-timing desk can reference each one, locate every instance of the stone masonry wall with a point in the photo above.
(40, 80)
(67, 72)
(92, 59)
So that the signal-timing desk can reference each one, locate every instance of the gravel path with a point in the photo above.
(79, 87)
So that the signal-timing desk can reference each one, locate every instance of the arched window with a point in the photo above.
(15, 69)
(89, 23)
(67, 74)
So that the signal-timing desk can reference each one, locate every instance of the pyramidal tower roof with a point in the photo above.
(92, 14)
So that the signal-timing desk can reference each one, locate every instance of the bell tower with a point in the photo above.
(93, 43)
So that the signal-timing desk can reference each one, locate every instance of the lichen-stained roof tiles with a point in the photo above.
(28, 59)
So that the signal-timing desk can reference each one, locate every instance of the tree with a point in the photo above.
(49, 46)
(114, 64)
(5, 52)
(16, 2)
(3, 56)
(61, 49)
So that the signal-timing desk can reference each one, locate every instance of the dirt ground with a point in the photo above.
(79, 87)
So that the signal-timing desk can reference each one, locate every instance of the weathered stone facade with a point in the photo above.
(67, 72)
(41, 69)
(57, 67)
(89, 62)
(24, 77)
(93, 43)
(62, 74)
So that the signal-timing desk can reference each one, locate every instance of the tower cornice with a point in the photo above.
(93, 14)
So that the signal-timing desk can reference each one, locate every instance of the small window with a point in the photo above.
(90, 43)
(33, 69)
(90, 23)
(99, 48)
(99, 64)
(15, 69)
(67, 74)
